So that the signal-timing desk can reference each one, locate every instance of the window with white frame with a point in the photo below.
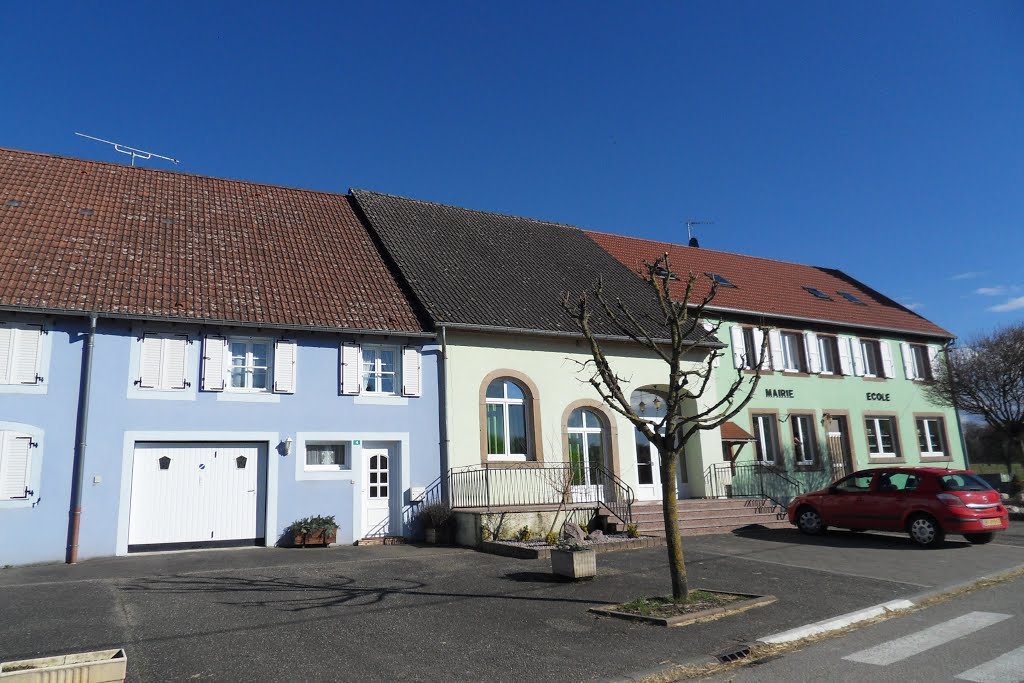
(163, 362)
(805, 445)
(326, 457)
(20, 353)
(883, 440)
(931, 437)
(766, 438)
(922, 362)
(15, 465)
(792, 352)
(251, 364)
(380, 370)
(871, 353)
(746, 347)
(507, 430)
(828, 354)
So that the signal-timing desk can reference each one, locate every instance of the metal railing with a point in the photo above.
(750, 480)
(489, 486)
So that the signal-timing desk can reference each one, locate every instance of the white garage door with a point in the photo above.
(193, 495)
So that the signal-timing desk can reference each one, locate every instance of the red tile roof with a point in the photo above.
(733, 432)
(108, 238)
(772, 288)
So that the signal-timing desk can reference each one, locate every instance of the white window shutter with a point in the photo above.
(411, 371)
(284, 366)
(775, 346)
(935, 356)
(214, 348)
(150, 355)
(758, 342)
(175, 365)
(887, 366)
(811, 349)
(738, 349)
(857, 353)
(27, 343)
(351, 359)
(908, 360)
(15, 465)
(845, 355)
(6, 347)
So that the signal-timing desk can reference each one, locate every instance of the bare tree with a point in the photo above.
(986, 378)
(690, 369)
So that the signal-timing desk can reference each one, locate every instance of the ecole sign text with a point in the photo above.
(872, 396)
(779, 393)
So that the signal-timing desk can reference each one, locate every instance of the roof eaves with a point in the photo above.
(492, 329)
(839, 323)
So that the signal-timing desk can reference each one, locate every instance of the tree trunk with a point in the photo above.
(670, 511)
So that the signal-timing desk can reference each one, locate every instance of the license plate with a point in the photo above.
(992, 521)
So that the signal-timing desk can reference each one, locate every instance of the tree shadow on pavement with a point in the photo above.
(297, 595)
(533, 577)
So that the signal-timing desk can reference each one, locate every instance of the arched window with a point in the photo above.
(587, 445)
(507, 423)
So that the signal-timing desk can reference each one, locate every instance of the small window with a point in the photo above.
(766, 438)
(326, 456)
(251, 364)
(871, 352)
(751, 350)
(13, 202)
(851, 298)
(165, 463)
(805, 445)
(380, 370)
(818, 294)
(87, 212)
(883, 441)
(720, 280)
(793, 352)
(828, 353)
(931, 437)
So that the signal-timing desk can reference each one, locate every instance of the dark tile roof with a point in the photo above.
(86, 236)
(487, 270)
(774, 288)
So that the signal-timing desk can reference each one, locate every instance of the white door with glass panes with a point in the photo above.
(587, 455)
(376, 490)
(648, 470)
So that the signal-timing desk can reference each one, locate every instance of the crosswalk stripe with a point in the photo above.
(908, 646)
(1008, 668)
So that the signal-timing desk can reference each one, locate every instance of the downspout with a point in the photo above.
(443, 386)
(956, 410)
(81, 427)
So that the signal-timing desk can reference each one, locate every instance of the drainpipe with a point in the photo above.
(81, 427)
(443, 400)
(956, 410)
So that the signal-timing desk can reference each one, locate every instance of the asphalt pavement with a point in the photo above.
(447, 614)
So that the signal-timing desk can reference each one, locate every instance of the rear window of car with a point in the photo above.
(963, 482)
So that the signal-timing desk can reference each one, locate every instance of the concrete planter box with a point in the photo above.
(574, 564)
(316, 538)
(102, 666)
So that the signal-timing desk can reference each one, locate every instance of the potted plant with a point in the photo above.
(434, 520)
(106, 666)
(573, 561)
(315, 530)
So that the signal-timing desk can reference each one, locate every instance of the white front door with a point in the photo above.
(648, 471)
(376, 490)
(188, 495)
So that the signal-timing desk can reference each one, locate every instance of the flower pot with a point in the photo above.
(574, 564)
(102, 666)
(315, 538)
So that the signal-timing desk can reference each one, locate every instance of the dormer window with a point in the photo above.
(851, 298)
(720, 280)
(817, 293)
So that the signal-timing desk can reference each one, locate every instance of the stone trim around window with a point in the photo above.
(948, 457)
(819, 457)
(613, 433)
(778, 434)
(533, 414)
(883, 460)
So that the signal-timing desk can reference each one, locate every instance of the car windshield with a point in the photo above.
(963, 482)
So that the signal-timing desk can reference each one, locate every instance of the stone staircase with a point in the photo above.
(708, 516)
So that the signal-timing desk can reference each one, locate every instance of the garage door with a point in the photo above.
(196, 495)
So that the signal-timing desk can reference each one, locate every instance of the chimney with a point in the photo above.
(694, 243)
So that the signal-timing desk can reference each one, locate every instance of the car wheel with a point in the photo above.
(980, 538)
(925, 531)
(809, 521)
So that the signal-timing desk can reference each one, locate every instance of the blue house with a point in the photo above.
(196, 362)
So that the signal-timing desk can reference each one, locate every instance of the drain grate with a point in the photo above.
(736, 655)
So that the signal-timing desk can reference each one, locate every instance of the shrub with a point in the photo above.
(632, 531)
(551, 538)
(524, 534)
(435, 515)
(311, 525)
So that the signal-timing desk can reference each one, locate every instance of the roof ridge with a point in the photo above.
(143, 169)
(463, 208)
(715, 251)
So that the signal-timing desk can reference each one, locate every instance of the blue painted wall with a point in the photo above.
(34, 534)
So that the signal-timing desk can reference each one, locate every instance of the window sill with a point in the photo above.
(936, 458)
(248, 396)
(510, 462)
(186, 394)
(24, 388)
(866, 378)
(830, 375)
(886, 460)
(380, 400)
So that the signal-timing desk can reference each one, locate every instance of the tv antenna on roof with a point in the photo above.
(124, 149)
(690, 222)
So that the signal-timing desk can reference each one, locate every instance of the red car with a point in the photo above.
(926, 502)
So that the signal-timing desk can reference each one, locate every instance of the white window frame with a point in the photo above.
(505, 402)
(35, 455)
(792, 352)
(920, 354)
(228, 365)
(807, 437)
(346, 459)
(762, 439)
(165, 381)
(374, 369)
(17, 334)
(921, 423)
(824, 353)
(877, 420)
(587, 433)
(868, 357)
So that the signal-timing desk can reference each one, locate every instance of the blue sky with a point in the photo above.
(884, 139)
